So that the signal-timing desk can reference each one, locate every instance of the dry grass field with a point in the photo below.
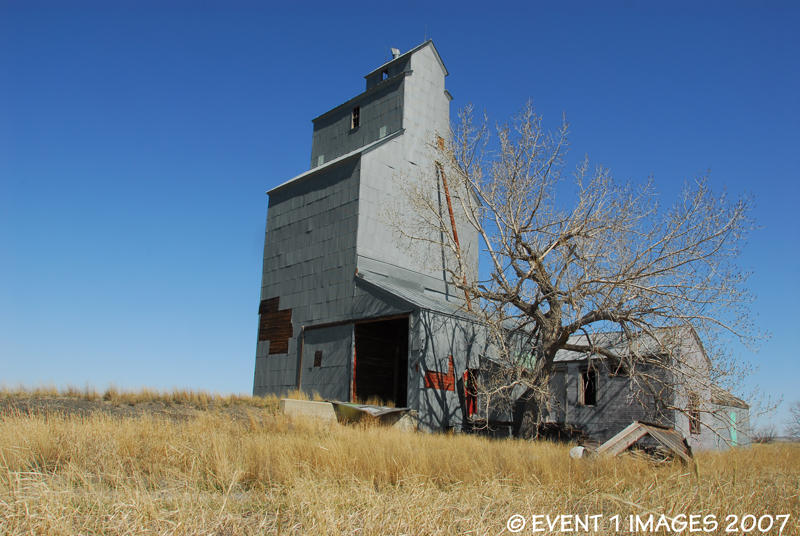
(192, 463)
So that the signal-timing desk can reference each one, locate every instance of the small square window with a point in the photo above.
(355, 119)
(385, 74)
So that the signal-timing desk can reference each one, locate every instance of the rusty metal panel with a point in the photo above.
(440, 380)
(275, 326)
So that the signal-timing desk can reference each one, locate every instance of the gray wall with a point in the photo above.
(718, 429)
(730, 427)
(309, 261)
(315, 223)
(394, 68)
(332, 379)
(397, 172)
(380, 107)
(435, 337)
(618, 402)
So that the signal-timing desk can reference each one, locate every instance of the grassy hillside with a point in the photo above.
(196, 464)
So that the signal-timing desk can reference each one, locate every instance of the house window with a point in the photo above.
(355, 119)
(587, 394)
(318, 358)
(385, 74)
(693, 412)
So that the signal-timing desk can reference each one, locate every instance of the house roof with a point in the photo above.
(721, 397)
(616, 342)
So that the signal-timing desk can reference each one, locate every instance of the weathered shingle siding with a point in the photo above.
(618, 404)
(332, 379)
(436, 337)
(309, 261)
(399, 169)
(323, 228)
(717, 430)
(379, 109)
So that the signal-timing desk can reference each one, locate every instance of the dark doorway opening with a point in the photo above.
(381, 361)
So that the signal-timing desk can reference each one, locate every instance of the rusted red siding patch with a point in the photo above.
(440, 380)
(275, 326)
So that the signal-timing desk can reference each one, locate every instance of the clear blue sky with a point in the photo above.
(137, 140)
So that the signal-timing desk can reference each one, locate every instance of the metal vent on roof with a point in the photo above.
(395, 53)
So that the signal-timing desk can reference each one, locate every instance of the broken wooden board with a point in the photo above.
(669, 438)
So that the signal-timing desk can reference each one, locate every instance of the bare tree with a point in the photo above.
(793, 426)
(572, 259)
(764, 434)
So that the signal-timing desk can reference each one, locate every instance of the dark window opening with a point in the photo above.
(355, 119)
(381, 361)
(471, 391)
(588, 387)
(694, 414)
(385, 74)
(318, 358)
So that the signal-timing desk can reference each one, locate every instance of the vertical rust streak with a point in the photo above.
(300, 358)
(453, 225)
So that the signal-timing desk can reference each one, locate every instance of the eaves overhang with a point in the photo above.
(406, 54)
(327, 165)
(374, 89)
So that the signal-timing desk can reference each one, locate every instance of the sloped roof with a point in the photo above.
(616, 342)
(721, 397)
(417, 298)
(668, 437)
(405, 54)
(328, 165)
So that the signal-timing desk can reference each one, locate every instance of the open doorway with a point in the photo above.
(381, 360)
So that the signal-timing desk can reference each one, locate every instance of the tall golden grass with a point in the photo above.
(112, 394)
(269, 474)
